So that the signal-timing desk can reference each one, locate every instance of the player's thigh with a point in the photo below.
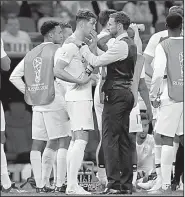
(168, 120)
(81, 116)
(57, 124)
(39, 131)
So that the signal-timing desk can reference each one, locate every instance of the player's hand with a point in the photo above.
(156, 103)
(74, 41)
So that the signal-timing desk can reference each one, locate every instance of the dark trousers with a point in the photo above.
(116, 142)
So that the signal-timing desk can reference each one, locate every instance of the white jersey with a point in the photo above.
(70, 53)
(151, 47)
(145, 154)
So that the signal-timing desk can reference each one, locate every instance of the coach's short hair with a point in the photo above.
(121, 17)
(85, 14)
(104, 16)
(174, 21)
(65, 25)
(177, 9)
(48, 26)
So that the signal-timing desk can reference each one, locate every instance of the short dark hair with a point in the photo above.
(85, 14)
(104, 16)
(144, 116)
(123, 18)
(48, 26)
(65, 25)
(174, 21)
(177, 9)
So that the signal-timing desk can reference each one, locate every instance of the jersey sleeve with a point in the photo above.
(66, 52)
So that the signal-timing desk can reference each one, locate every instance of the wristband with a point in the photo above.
(89, 69)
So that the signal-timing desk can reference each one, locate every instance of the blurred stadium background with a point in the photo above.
(31, 15)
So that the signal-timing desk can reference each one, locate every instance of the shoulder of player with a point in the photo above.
(157, 36)
(69, 47)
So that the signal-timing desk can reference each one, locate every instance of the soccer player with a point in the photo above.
(145, 152)
(69, 67)
(135, 120)
(59, 167)
(149, 55)
(50, 121)
(5, 180)
(169, 57)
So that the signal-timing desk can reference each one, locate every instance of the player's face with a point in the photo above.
(89, 26)
(57, 35)
(145, 125)
(112, 27)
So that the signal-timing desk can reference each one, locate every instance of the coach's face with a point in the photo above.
(112, 27)
(57, 35)
(89, 26)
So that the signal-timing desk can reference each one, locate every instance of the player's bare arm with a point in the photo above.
(59, 72)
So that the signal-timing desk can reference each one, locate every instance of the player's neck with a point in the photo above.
(140, 140)
(176, 33)
(79, 35)
(47, 40)
(121, 31)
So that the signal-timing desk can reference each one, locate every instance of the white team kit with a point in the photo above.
(78, 98)
(150, 50)
(145, 153)
(168, 107)
(49, 121)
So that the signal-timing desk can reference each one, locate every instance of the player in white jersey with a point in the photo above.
(70, 68)
(169, 58)
(50, 122)
(145, 148)
(60, 167)
(135, 120)
(5, 180)
(149, 55)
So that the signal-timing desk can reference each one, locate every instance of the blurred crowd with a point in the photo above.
(139, 11)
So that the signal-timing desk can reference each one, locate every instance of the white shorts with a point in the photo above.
(50, 125)
(135, 120)
(80, 114)
(2, 119)
(170, 120)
